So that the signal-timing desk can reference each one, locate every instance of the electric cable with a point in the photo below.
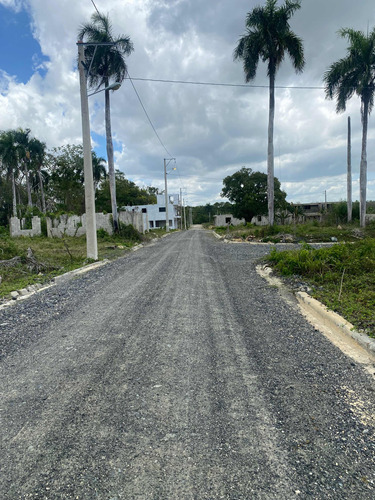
(147, 115)
(218, 84)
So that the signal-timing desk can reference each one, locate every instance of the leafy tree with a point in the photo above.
(268, 37)
(128, 194)
(107, 65)
(66, 178)
(248, 191)
(205, 213)
(355, 74)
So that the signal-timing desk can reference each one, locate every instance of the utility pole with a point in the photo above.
(181, 209)
(91, 238)
(166, 163)
(349, 173)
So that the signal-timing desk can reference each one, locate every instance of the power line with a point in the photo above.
(147, 115)
(218, 84)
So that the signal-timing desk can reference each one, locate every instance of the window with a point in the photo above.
(151, 224)
(144, 210)
(161, 209)
(259, 218)
(228, 220)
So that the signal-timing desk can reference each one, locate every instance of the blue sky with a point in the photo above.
(212, 131)
(20, 55)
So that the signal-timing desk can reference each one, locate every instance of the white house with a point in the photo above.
(156, 213)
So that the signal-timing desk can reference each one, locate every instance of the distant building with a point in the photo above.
(155, 214)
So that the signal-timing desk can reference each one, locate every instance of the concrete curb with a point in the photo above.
(332, 320)
(324, 316)
(24, 293)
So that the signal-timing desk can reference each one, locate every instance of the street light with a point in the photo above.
(91, 237)
(166, 163)
(113, 86)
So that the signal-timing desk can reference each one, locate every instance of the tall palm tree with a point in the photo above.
(9, 161)
(22, 138)
(268, 37)
(355, 74)
(37, 152)
(107, 65)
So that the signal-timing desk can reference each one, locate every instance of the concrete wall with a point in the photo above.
(75, 225)
(225, 219)
(370, 218)
(15, 227)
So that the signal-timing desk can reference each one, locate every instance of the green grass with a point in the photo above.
(342, 277)
(58, 254)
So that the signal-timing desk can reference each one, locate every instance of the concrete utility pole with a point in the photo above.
(91, 239)
(166, 163)
(349, 173)
(181, 209)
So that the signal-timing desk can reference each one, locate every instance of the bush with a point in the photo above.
(128, 232)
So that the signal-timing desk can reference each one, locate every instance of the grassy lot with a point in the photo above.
(342, 277)
(309, 232)
(58, 255)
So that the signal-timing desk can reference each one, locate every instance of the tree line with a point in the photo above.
(35, 181)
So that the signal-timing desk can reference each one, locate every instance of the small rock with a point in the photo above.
(14, 295)
(333, 238)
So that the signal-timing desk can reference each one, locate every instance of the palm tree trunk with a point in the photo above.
(42, 191)
(29, 200)
(363, 167)
(349, 174)
(270, 153)
(14, 195)
(111, 165)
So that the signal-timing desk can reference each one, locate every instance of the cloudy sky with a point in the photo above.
(212, 131)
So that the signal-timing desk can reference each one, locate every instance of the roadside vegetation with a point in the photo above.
(51, 257)
(341, 276)
(310, 232)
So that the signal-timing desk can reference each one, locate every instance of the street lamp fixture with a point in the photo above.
(113, 86)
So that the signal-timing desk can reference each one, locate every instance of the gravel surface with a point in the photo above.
(178, 373)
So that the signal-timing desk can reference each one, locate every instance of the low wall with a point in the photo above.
(75, 225)
(15, 227)
(370, 218)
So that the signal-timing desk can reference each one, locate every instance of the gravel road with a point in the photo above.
(178, 373)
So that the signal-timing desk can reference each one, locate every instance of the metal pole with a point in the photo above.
(166, 197)
(91, 239)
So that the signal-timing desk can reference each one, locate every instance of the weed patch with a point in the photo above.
(342, 277)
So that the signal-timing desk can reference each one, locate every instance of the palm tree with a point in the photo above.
(37, 152)
(355, 74)
(107, 65)
(9, 161)
(22, 141)
(98, 169)
(268, 37)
